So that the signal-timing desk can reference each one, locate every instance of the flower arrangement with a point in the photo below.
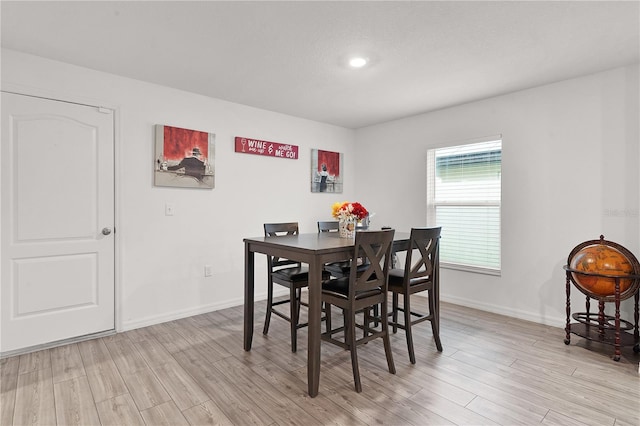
(348, 214)
(348, 210)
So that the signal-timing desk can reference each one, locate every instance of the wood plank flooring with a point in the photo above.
(494, 370)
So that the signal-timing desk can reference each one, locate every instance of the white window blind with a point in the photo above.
(463, 197)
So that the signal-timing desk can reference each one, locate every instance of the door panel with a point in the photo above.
(32, 276)
(57, 267)
(67, 158)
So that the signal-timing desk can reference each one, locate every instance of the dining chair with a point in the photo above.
(290, 274)
(360, 292)
(421, 273)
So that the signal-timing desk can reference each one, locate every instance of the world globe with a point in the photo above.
(600, 264)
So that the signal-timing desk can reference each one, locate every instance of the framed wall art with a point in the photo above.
(184, 158)
(326, 171)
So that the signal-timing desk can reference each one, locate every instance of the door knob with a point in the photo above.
(106, 231)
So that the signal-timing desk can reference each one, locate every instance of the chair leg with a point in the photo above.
(267, 318)
(376, 315)
(298, 300)
(294, 309)
(350, 317)
(434, 311)
(394, 311)
(385, 338)
(367, 321)
(407, 328)
(327, 316)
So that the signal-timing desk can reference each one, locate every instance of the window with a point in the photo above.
(463, 196)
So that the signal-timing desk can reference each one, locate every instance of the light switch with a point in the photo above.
(169, 209)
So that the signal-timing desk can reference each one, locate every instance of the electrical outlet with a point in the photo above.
(207, 271)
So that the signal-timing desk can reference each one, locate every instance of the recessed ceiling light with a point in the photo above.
(358, 62)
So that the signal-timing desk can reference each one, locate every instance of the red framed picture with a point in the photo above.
(326, 171)
(184, 158)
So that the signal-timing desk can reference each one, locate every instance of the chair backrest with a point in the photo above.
(276, 230)
(422, 261)
(374, 248)
(327, 226)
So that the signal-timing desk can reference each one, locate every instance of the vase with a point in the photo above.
(347, 227)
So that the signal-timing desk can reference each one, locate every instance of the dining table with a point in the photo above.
(315, 250)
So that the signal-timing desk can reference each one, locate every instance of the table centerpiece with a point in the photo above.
(348, 214)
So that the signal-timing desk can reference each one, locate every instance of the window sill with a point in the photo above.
(469, 268)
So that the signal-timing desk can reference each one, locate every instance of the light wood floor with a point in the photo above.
(494, 370)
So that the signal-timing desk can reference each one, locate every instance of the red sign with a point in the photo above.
(270, 149)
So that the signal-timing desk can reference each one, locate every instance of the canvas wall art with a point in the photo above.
(184, 158)
(326, 171)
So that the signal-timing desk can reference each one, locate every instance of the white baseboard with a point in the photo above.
(502, 310)
(470, 303)
(174, 315)
(171, 316)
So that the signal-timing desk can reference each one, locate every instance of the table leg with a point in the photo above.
(249, 282)
(315, 315)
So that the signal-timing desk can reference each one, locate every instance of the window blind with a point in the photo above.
(464, 198)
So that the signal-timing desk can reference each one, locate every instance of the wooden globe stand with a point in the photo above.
(602, 328)
(607, 329)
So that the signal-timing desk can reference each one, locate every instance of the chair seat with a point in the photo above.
(340, 287)
(296, 275)
(342, 269)
(396, 279)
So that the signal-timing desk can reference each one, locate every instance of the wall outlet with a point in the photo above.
(207, 270)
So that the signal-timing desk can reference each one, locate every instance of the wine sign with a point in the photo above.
(270, 149)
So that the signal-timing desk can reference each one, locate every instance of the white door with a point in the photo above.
(57, 252)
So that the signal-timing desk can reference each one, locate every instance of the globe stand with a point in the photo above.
(607, 329)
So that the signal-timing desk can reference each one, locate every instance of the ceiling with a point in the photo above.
(291, 57)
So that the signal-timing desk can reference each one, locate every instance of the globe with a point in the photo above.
(605, 260)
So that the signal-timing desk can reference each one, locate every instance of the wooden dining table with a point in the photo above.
(314, 250)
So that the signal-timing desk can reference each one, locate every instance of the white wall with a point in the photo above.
(570, 173)
(160, 258)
